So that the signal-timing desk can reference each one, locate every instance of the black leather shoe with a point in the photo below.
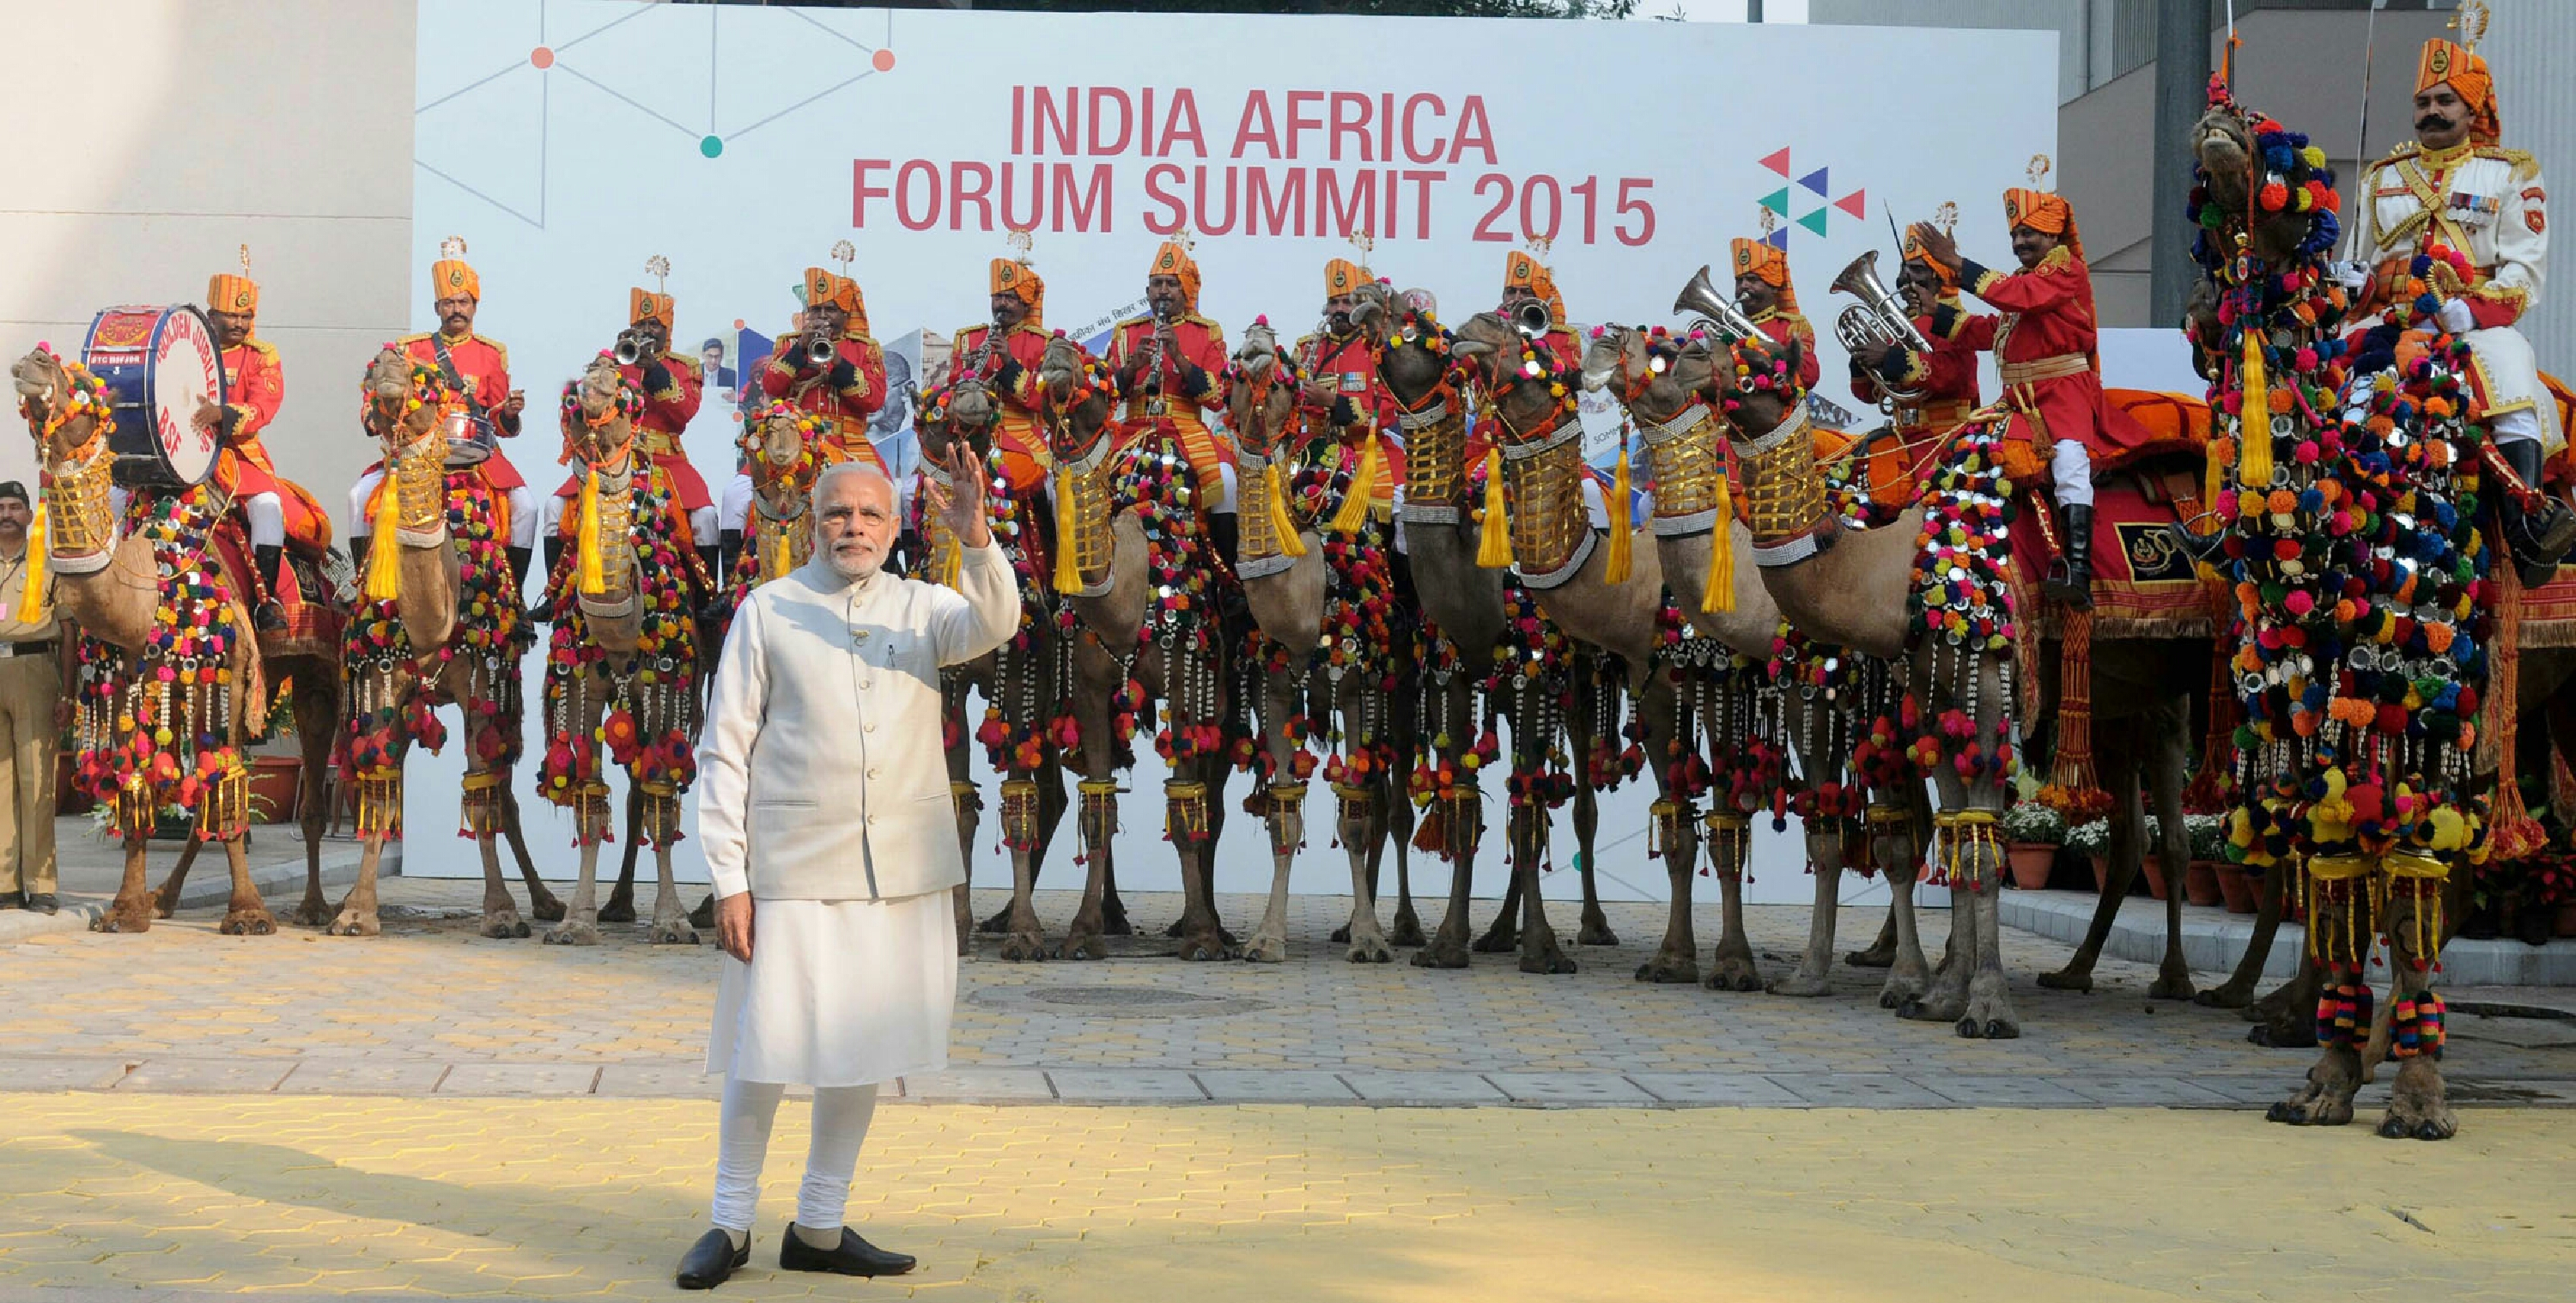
(853, 1257)
(13, 900)
(269, 617)
(39, 902)
(712, 1260)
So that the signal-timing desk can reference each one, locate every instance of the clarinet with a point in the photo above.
(1154, 365)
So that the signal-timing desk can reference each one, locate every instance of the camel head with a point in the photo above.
(1075, 390)
(2242, 156)
(62, 402)
(1415, 358)
(1261, 391)
(1654, 373)
(404, 399)
(1756, 386)
(1373, 310)
(599, 414)
(781, 448)
(1528, 387)
(2223, 142)
(960, 410)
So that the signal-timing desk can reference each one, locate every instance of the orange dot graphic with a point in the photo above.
(542, 56)
(884, 60)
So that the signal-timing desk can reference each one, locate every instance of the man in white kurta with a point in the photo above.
(824, 809)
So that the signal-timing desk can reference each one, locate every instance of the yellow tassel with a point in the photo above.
(1355, 506)
(1494, 550)
(384, 551)
(1621, 545)
(952, 562)
(1068, 528)
(774, 555)
(594, 564)
(2254, 435)
(31, 603)
(1719, 597)
(1275, 504)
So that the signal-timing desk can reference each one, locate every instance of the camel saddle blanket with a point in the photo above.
(314, 623)
(2144, 585)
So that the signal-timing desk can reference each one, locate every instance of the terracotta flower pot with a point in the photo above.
(2101, 873)
(275, 784)
(2567, 919)
(2200, 883)
(2155, 877)
(2242, 893)
(2030, 863)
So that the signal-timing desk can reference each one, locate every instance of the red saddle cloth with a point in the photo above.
(310, 616)
(2139, 572)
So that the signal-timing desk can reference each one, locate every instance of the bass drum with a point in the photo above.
(159, 364)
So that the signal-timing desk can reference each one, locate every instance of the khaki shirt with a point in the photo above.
(13, 586)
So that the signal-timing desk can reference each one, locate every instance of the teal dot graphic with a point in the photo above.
(711, 146)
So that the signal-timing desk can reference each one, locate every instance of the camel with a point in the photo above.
(1290, 594)
(1025, 682)
(624, 652)
(1467, 606)
(1125, 664)
(1659, 382)
(111, 588)
(427, 645)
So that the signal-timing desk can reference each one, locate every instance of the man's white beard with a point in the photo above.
(848, 568)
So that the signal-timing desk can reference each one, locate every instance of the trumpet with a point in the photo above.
(817, 349)
(1880, 318)
(634, 346)
(1701, 301)
(1531, 319)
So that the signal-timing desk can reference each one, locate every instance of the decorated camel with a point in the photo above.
(1495, 659)
(1140, 577)
(1314, 559)
(437, 622)
(623, 659)
(1027, 682)
(170, 683)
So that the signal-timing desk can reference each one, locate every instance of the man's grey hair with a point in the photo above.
(841, 468)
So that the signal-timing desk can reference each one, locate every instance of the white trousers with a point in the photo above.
(2072, 467)
(841, 1115)
(267, 517)
(523, 508)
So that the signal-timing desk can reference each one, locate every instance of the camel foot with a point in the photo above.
(1547, 961)
(2325, 1099)
(2069, 978)
(1443, 951)
(1669, 969)
(572, 934)
(1407, 930)
(1989, 1016)
(1265, 949)
(356, 923)
(704, 916)
(312, 912)
(1113, 919)
(546, 907)
(1024, 947)
(1205, 946)
(1879, 955)
(253, 922)
(1371, 950)
(132, 914)
(164, 903)
(1942, 1004)
(619, 909)
(2417, 1109)
(1083, 947)
(2171, 986)
(1905, 985)
(670, 934)
(1734, 972)
(1498, 940)
(998, 925)
(1596, 932)
(1340, 934)
(504, 924)
(2227, 996)
(1801, 983)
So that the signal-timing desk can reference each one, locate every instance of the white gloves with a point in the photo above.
(2456, 317)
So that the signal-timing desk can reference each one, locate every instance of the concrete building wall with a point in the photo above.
(186, 129)
(2531, 52)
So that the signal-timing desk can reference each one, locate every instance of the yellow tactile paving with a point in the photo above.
(566, 1198)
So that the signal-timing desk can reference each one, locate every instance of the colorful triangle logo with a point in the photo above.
(1815, 221)
(1814, 181)
(1777, 201)
(1778, 239)
(1856, 203)
(1778, 162)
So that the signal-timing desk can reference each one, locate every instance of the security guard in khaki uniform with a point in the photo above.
(31, 720)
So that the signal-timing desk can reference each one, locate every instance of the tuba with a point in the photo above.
(1700, 300)
(1879, 319)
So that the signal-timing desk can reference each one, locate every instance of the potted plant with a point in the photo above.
(2032, 833)
(2092, 840)
(2549, 891)
(2208, 836)
(275, 784)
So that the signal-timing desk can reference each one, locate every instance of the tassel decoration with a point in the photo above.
(2254, 419)
(1494, 548)
(31, 603)
(1068, 526)
(1274, 503)
(594, 566)
(1719, 598)
(384, 551)
(1616, 572)
(774, 555)
(1355, 505)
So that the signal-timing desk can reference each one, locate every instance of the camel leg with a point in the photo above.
(1025, 935)
(2286, 1018)
(316, 712)
(1097, 823)
(1459, 821)
(246, 915)
(2164, 781)
(1947, 1000)
(1815, 966)
(1882, 949)
(542, 904)
(670, 922)
(1540, 952)
(1406, 927)
(1202, 937)
(620, 905)
(356, 916)
(2325, 1098)
(1504, 935)
(1283, 812)
(131, 911)
(500, 912)
(1595, 928)
(2417, 1107)
(1676, 961)
(580, 926)
(1732, 967)
(165, 902)
(1363, 830)
(2128, 820)
(2237, 991)
(1909, 977)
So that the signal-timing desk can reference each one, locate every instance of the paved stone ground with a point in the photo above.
(1061, 1204)
(432, 1008)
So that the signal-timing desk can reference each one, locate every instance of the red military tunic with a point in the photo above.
(1011, 374)
(1189, 390)
(257, 386)
(1947, 376)
(847, 410)
(1783, 327)
(2043, 344)
(1361, 407)
(484, 366)
(667, 413)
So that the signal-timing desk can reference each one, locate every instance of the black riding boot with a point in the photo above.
(518, 558)
(2070, 579)
(271, 614)
(711, 602)
(2539, 539)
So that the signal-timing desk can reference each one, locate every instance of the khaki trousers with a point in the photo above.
(29, 687)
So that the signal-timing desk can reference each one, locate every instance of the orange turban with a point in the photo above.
(643, 304)
(1768, 261)
(1914, 253)
(230, 293)
(1521, 271)
(450, 277)
(846, 293)
(2443, 61)
(1014, 277)
(1342, 276)
(1172, 259)
(2046, 213)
